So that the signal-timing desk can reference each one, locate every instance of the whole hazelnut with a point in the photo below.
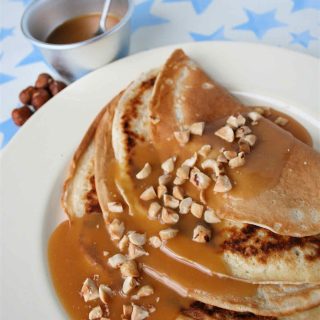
(26, 95)
(56, 86)
(21, 115)
(39, 98)
(43, 81)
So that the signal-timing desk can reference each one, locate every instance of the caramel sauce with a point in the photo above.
(181, 266)
(79, 29)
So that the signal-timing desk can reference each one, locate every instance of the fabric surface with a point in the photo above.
(293, 24)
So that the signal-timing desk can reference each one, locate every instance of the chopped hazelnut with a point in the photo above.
(154, 210)
(145, 291)
(135, 252)
(205, 150)
(222, 159)
(123, 243)
(241, 120)
(254, 116)
(126, 310)
(170, 201)
(222, 184)
(155, 242)
(139, 239)
(202, 197)
(178, 192)
(167, 234)
(161, 191)
(182, 137)
(201, 234)
(117, 260)
(244, 147)
(168, 165)
(229, 154)
(115, 207)
(250, 139)
(190, 162)
(139, 313)
(116, 229)
(144, 172)
(129, 269)
(237, 161)
(95, 313)
(281, 121)
(164, 179)
(226, 133)
(196, 209)
(148, 194)
(183, 172)
(210, 216)
(89, 290)
(209, 164)
(105, 293)
(242, 131)
(129, 284)
(197, 128)
(232, 122)
(179, 181)
(185, 205)
(168, 216)
(199, 179)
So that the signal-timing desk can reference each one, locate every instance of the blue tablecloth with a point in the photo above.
(294, 24)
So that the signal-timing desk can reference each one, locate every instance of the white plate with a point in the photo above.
(34, 164)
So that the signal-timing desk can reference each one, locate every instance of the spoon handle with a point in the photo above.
(104, 14)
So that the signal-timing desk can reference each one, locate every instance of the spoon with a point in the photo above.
(104, 14)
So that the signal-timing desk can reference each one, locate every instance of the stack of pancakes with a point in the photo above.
(249, 247)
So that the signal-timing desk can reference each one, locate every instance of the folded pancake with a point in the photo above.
(267, 190)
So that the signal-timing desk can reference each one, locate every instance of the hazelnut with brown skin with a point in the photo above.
(21, 115)
(56, 86)
(26, 95)
(43, 81)
(40, 97)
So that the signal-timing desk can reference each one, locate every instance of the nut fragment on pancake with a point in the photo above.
(115, 207)
(229, 154)
(244, 147)
(190, 162)
(144, 172)
(185, 205)
(139, 313)
(145, 291)
(201, 234)
(251, 139)
(89, 290)
(95, 313)
(182, 137)
(226, 133)
(168, 234)
(153, 211)
(223, 184)
(235, 122)
(105, 293)
(116, 229)
(254, 116)
(179, 181)
(126, 311)
(222, 159)
(170, 201)
(135, 252)
(129, 269)
(155, 242)
(237, 161)
(210, 216)
(178, 192)
(139, 239)
(168, 216)
(183, 172)
(148, 194)
(242, 131)
(161, 191)
(197, 128)
(281, 121)
(199, 179)
(205, 150)
(123, 243)
(168, 165)
(129, 284)
(196, 210)
(117, 260)
(164, 179)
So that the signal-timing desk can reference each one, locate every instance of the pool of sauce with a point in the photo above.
(79, 29)
(182, 266)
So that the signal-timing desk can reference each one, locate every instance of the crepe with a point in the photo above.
(275, 202)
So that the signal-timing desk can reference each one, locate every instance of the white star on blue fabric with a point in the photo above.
(305, 4)
(33, 57)
(260, 23)
(302, 38)
(8, 129)
(25, 2)
(216, 35)
(5, 32)
(199, 6)
(143, 17)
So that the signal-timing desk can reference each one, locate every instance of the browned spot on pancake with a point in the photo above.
(262, 243)
(92, 203)
(132, 113)
(201, 311)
